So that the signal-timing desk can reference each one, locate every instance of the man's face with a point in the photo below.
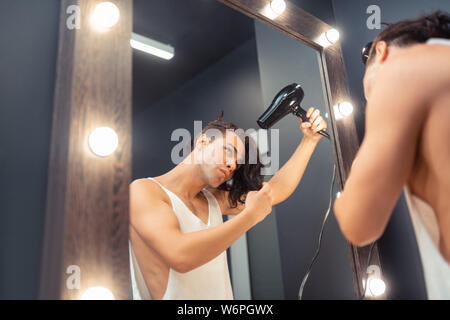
(220, 157)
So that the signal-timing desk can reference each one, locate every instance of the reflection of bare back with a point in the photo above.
(430, 177)
(406, 143)
(424, 146)
(428, 186)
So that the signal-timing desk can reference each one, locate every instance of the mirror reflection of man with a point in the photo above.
(178, 239)
(406, 144)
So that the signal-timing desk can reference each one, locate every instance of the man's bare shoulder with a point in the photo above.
(422, 65)
(417, 76)
(148, 188)
(150, 206)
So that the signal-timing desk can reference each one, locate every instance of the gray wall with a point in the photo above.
(398, 248)
(28, 34)
(322, 9)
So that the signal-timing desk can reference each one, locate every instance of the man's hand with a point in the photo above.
(258, 204)
(316, 123)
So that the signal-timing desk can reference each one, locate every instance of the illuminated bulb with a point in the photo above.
(103, 141)
(338, 195)
(326, 115)
(328, 38)
(105, 15)
(345, 108)
(342, 110)
(97, 293)
(332, 36)
(376, 287)
(278, 6)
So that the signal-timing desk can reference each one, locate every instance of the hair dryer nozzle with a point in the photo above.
(286, 101)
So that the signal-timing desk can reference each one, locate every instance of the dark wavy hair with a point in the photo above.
(247, 176)
(408, 32)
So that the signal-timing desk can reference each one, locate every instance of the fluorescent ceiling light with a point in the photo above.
(153, 47)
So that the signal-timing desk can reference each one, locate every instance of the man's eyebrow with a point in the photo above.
(236, 151)
(233, 147)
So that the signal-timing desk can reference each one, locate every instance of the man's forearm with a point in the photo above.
(286, 180)
(199, 247)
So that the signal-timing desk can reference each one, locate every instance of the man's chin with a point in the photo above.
(216, 182)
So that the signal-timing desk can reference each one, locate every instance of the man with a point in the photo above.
(406, 143)
(178, 238)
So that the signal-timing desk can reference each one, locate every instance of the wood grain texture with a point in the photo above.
(88, 194)
(53, 247)
(306, 28)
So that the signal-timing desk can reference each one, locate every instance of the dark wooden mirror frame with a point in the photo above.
(87, 196)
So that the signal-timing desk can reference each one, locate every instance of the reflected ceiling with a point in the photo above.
(201, 31)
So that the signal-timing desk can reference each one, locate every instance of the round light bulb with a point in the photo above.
(97, 293)
(345, 108)
(278, 6)
(376, 286)
(105, 15)
(103, 141)
(332, 35)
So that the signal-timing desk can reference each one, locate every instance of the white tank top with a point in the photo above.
(436, 270)
(210, 281)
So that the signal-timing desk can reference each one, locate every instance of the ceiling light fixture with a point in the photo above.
(151, 46)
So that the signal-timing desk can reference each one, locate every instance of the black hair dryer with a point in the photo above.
(286, 101)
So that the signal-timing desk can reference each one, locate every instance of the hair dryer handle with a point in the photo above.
(300, 112)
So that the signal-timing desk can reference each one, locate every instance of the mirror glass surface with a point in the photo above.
(224, 60)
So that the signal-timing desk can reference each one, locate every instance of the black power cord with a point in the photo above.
(305, 278)
(369, 258)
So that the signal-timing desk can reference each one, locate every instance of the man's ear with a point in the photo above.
(382, 50)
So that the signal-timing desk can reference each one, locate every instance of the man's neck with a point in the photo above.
(185, 180)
